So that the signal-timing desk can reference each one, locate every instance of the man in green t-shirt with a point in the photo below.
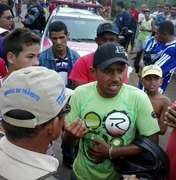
(105, 115)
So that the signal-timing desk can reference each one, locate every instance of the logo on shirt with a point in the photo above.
(117, 123)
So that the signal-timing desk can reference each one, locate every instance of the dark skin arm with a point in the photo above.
(162, 125)
(100, 151)
(170, 116)
(74, 131)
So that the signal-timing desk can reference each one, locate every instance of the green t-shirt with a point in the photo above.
(114, 121)
(145, 35)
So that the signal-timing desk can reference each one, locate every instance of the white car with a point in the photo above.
(81, 23)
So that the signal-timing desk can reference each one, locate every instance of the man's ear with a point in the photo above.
(141, 81)
(68, 35)
(96, 40)
(51, 126)
(93, 71)
(11, 57)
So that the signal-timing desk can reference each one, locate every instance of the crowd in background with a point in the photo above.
(143, 31)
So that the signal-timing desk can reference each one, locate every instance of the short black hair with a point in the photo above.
(166, 26)
(4, 7)
(14, 42)
(58, 26)
(15, 132)
(121, 4)
(134, 2)
(167, 5)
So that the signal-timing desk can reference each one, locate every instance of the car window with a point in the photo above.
(80, 29)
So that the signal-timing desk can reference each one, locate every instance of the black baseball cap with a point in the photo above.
(108, 54)
(107, 27)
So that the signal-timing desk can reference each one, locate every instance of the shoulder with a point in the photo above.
(87, 59)
(73, 53)
(165, 100)
(45, 52)
(83, 89)
(170, 48)
(46, 55)
(126, 13)
(35, 8)
(132, 91)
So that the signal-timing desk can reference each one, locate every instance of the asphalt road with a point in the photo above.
(133, 80)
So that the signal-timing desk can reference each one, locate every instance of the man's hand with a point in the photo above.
(170, 116)
(100, 151)
(77, 129)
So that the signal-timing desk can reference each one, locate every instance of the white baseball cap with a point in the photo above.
(152, 70)
(37, 90)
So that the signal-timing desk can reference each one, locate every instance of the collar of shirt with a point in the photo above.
(34, 159)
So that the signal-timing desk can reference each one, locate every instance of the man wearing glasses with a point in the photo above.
(33, 123)
(6, 22)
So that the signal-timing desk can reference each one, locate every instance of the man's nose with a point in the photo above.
(36, 62)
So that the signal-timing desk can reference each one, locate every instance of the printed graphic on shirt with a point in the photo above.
(110, 129)
(62, 69)
(117, 123)
(92, 120)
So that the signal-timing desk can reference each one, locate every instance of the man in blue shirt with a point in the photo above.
(123, 22)
(6, 22)
(59, 56)
(35, 17)
(165, 48)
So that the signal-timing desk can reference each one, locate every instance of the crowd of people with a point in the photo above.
(85, 99)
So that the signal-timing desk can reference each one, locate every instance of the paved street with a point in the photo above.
(171, 93)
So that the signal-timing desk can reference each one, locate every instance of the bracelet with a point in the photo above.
(110, 153)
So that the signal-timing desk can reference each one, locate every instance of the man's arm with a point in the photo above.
(74, 131)
(102, 151)
(127, 20)
(31, 17)
(162, 125)
(170, 116)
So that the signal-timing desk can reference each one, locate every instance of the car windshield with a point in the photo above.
(81, 29)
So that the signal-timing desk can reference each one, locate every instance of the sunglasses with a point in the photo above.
(65, 110)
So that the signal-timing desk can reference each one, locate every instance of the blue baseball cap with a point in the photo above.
(107, 27)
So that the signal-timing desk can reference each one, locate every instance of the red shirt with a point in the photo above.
(3, 71)
(51, 8)
(108, 3)
(81, 70)
(171, 147)
(134, 13)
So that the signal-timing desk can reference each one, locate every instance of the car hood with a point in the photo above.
(82, 48)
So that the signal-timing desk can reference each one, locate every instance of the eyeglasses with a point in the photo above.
(8, 17)
(65, 110)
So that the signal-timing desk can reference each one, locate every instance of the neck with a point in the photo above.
(32, 144)
(121, 11)
(60, 54)
(152, 94)
(10, 70)
(170, 39)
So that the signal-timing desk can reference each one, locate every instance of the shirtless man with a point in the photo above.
(151, 80)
